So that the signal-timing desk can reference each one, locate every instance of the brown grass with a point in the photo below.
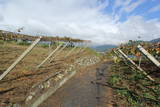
(15, 86)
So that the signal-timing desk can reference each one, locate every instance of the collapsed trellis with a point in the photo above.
(11, 36)
(122, 55)
(128, 79)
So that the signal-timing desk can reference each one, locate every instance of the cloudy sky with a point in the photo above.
(102, 21)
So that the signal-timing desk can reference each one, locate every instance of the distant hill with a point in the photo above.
(103, 48)
(155, 40)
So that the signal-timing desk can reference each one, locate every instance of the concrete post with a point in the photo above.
(139, 68)
(20, 58)
(70, 51)
(49, 56)
(59, 52)
(148, 55)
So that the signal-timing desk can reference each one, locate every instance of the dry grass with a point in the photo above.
(15, 86)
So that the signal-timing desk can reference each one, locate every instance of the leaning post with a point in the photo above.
(85, 47)
(148, 55)
(139, 68)
(49, 56)
(59, 52)
(71, 51)
(20, 57)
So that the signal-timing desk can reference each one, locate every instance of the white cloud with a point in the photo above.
(119, 3)
(75, 18)
(136, 26)
(125, 6)
(134, 5)
(154, 9)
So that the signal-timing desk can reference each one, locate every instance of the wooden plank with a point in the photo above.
(20, 58)
(132, 62)
(148, 55)
(49, 56)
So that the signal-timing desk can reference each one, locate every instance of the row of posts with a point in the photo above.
(29, 49)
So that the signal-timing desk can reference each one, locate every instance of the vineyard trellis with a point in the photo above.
(13, 36)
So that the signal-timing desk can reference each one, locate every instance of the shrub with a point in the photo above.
(24, 43)
(44, 45)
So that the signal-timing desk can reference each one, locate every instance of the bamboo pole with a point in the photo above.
(20, 58)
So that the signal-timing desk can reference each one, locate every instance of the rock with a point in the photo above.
(29, 98)
(88, 60)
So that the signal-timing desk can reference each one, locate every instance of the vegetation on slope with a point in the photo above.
(131, 87)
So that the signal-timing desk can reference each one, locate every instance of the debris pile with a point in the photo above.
(88, 60)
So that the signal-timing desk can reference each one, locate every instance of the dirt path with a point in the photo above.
(80, 91)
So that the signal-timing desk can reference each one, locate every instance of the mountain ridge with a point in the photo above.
(155, 40)
(103, 48)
